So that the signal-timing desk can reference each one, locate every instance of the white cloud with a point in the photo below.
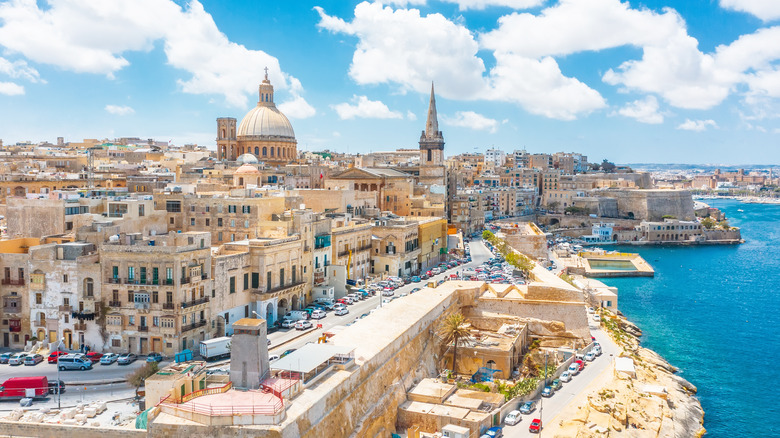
(365, 109)
(482, 4)
(764, 9)
(297, 108)
(411, 116)
(19, 70)
(11, 89)
(86, 36)
(119, 110)
(471, 120)
(540, 87)
(405, 48)
(697, 125)
(643, 110)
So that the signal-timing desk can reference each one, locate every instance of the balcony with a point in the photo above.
(39, 322)
(65, 308)
(82, 326)
(168, 306)
(185, 280)
(280, 288)
(144, 306)
(12, 309)
(143, 328)
(186, 304)
(115, 280)
(204, 277)
(114, 304)
(355, 251)
(193, 326)
(8, 281)
(319, 277)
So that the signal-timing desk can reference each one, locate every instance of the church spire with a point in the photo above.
(432, 125)
(266, 92)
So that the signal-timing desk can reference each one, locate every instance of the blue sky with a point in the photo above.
(658, 81)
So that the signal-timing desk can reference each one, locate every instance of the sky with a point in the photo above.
(685, 81)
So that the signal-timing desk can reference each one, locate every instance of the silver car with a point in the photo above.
(17, 359)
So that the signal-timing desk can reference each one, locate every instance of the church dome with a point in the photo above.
(246, 169)
(247, 159)
(267, 122)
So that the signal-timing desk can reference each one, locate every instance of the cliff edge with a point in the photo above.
(653, 401)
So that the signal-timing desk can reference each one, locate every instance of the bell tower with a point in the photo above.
(431, 139)
(227, 147)
(266, 92)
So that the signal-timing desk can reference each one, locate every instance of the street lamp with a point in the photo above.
(59, 390)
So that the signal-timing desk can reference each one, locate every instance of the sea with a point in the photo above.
(714, 312)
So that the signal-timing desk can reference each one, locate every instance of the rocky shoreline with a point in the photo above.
(655, 403)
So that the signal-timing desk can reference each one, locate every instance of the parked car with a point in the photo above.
(109, 358)
(74, 362)
(52, 357)
(303, 325)
(5, 356)
(154, 357)
(556, 384)
(574, 369)
(596, 318)
(288, 323)
(414, 290)
(590, 356)
(536, 426)
(56, 387)
(17, 359)
(416, 279)
(94, 356)
(513, 418)
(580, 364)
(597, 349)
(318, 314)
(548, 391)
(286, 352)
(126, 359)
(273, 357)
(33, 359)
(493, 432)
(342, 311)
(528, 407)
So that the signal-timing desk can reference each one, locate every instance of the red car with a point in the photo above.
(580, 363)
(94, 356)
(54, 355)
(535, 426)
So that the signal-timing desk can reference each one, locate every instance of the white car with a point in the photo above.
(591, 310)
(596, 318)
(317, 314)
(513, 418)
(590, 356)
(565, 376)
(273, 357)
(303, 324)
(341, 311)
(17, 359)
(288, 323)
(597, 349)
(574, 369)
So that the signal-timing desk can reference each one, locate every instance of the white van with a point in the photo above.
(296, 315)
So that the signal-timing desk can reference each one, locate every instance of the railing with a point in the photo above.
(80, 327)
(185, 280)
(193, 326)
(12, 309)
(8, 281)
(114, 304)
(207, 391)
(39, 322)
(280, 288)
(115, 280)
(204, 276)
(168, 306)
(141, 305)
(186, 304)
(143, 328)
(65, 308)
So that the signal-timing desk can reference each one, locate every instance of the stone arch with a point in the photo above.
(41, 334)
(269, 312)
(20, 191)
(282, 307)
(630, 214)
(295, 304)
(223, 132)
(554, 221)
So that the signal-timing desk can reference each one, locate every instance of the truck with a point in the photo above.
(24, 387)
(296, 315)
(215, 349)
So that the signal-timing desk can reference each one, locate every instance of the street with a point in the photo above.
(552, 406)
(97, 373)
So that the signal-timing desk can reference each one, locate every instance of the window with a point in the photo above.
(246, 209)
(65, 278)
(116, 343)
(130, 273)
(268, 280)
(246, 281)
(38, 298)
(293, 274)
(171, 221)
(173, 206)
(208, 208)
(232, 223)
(114, 320)
(192, 208)
(155, 297)
(246, 224)
(231, 208)
(219, 223)
(232, 285)
(141, 210)
(208, 222)
(169, 297)
(169, 274)
(166, 322)
(155, 321)
(281, 277)
(219, 236)
(89, 288)
(192, 221)
(131, 320)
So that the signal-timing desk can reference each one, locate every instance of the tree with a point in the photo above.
(575, 210)
(487, 235)
(136, 378)
(455, 330)
(553, 206)
(607, 166)
(724, 224)
(708, 223)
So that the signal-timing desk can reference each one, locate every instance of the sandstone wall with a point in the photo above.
(571, 314)
(652, 205)
(39, 430)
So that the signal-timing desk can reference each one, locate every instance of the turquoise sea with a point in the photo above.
(714, 312)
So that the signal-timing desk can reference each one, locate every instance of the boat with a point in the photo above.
(740, 210)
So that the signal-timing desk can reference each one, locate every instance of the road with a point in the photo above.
(479, 254)
(97, 373)
(552, 406)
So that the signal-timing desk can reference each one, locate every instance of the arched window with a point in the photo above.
(257, 150)
(272, 152)
(265, 151)
(89, 287)
(223, 133)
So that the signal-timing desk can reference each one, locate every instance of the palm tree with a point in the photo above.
(455, 330)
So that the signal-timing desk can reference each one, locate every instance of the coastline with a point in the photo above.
(656, 402)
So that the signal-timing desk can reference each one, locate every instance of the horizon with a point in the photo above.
(663, 79)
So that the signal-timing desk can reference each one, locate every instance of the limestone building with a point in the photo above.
(264, 132)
